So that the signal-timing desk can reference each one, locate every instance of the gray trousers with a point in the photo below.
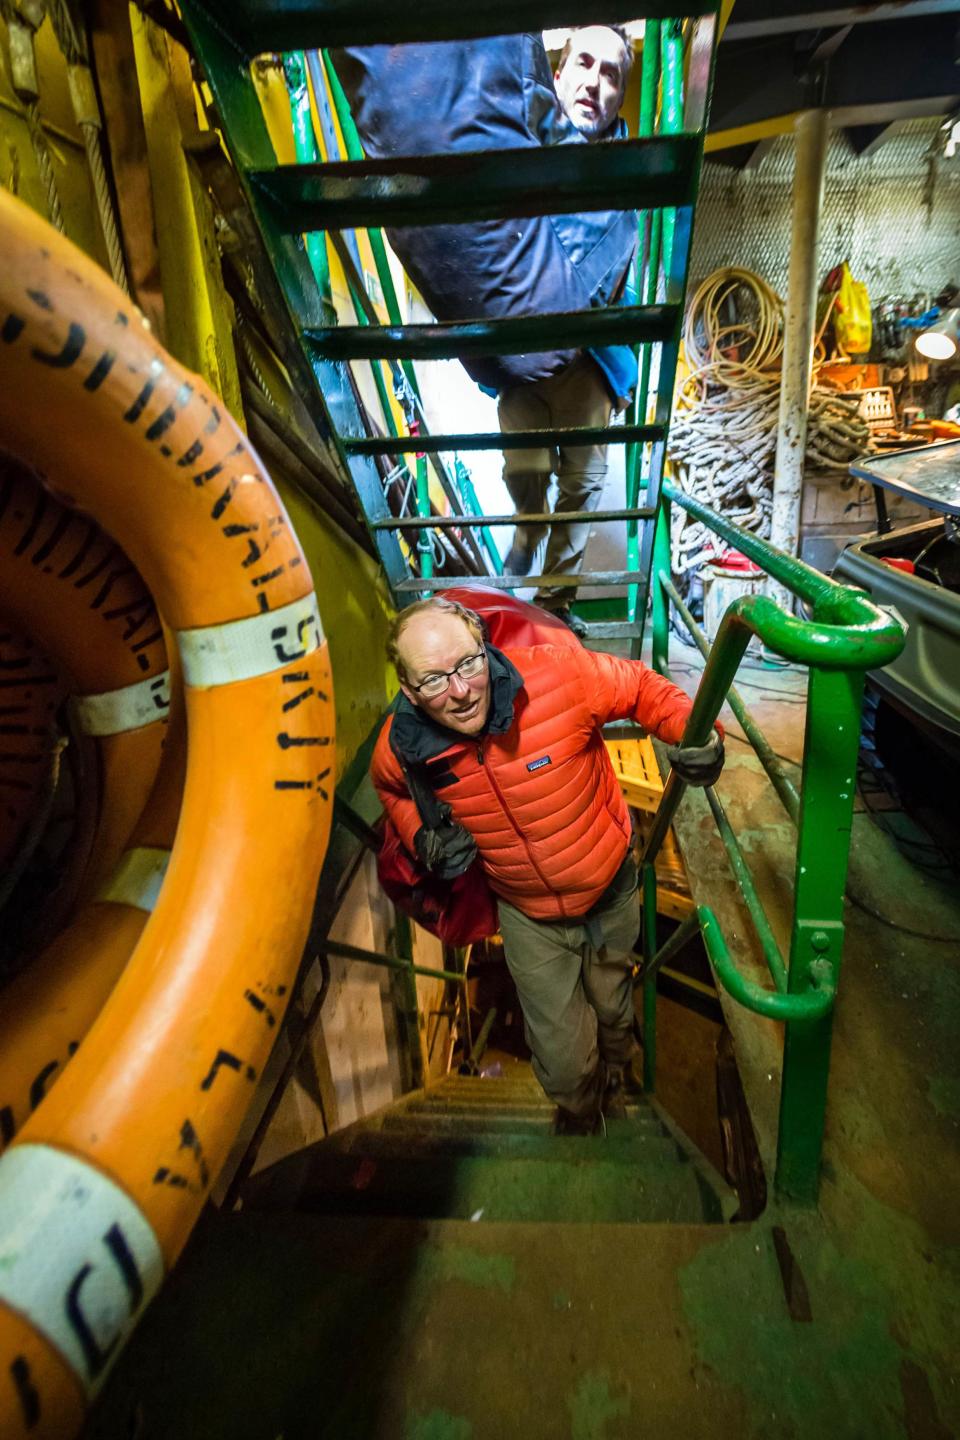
(574, 979)
(576, 396)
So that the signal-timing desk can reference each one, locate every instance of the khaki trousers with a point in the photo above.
(576, 396)
(574, 979)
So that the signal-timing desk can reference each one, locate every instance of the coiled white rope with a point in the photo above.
(723, 438)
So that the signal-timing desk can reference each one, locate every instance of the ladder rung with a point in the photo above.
(259, 25)
(482, 184)
(512, 440)
(569, 517)
(525, 582)
(523, 335)
(613, 630)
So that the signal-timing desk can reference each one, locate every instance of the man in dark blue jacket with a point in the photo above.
(590, 80)
(498, 93)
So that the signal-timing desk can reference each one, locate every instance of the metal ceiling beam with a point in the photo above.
(721, 143)
(901, 62)
(256, 26)
(810, 18)
(864, 139)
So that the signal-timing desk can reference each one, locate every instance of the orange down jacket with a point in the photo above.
(536, 789)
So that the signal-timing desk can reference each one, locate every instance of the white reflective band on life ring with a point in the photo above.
(115, 711)
(77, 1257)
(242, 649)
(137, 879)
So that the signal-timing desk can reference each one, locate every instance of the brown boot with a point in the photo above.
(567, 1123)
(614, 1104)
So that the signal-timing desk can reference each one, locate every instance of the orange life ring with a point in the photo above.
(31, 689)
(68, 585)
(49, 1007)
(106, 1179)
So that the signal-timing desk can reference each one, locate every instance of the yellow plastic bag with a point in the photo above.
(852, 321)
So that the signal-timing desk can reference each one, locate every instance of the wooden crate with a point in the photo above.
(637, 771)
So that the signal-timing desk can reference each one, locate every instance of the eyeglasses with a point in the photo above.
(439, 684)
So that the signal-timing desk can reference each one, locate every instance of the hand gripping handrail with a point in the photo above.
(100, 1189)
(848, 632)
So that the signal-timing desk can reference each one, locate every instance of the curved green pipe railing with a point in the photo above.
(741, 871)
(815, 1004)
(846, 636)
(779, 779)
(847, 632)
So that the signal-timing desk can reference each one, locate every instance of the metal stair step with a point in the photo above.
(517, 1108)
(454, 339)
(515, 517)
(514, 582)
(481, 1121)
(470, 1091)
(452, 189)
(498, 440)
(261, 25)
(627, 1148)
(586, 1190)
(613, 629)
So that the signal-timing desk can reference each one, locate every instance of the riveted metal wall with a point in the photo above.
(894, 214)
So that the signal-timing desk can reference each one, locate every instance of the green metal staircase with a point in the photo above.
(472, 1148)
(293, 204)
(657, 174)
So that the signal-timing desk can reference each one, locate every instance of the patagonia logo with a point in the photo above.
(539, 764)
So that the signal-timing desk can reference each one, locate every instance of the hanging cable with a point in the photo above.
(71, 37)
(23, 20)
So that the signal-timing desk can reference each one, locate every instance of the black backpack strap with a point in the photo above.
(423, 795)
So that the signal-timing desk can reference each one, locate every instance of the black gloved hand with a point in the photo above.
(447, 850)
(698, 765)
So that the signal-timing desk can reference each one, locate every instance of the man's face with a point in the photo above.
(590, 84)
(433, 644)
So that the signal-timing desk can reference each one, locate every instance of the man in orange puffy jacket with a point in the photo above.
(511, 741)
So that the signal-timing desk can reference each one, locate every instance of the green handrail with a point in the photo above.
(354, 147)
(815, 1004)
(768, 941)
(386, 962)
(779, 778)
(869, 638)
(307, 151)
(848, 631)
(305, 148)
(648, 225)
(671, 120)
(846, 635)
(472, 506)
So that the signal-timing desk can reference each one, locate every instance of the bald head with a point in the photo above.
(430, 644)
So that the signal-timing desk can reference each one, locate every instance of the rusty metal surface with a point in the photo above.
(894, 214)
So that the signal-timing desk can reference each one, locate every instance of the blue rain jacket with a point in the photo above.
(442, 97)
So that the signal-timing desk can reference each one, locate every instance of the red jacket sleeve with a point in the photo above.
(619, 689)
(390, 784)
